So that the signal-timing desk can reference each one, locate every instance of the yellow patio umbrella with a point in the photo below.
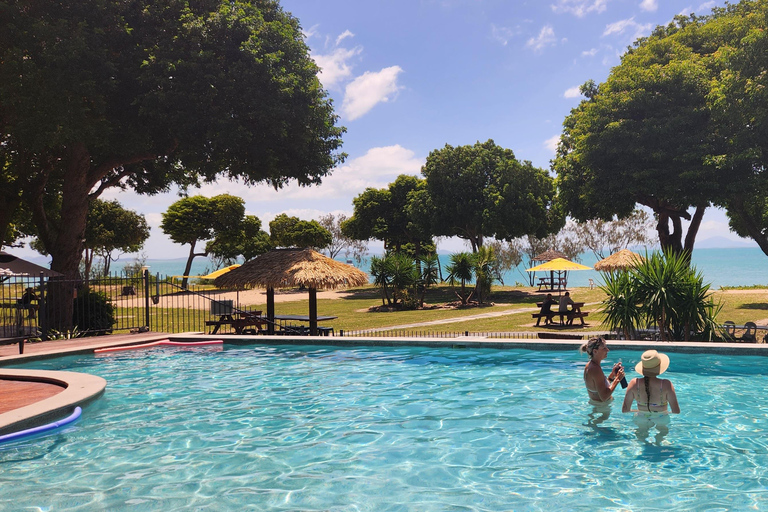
(558, 265)
(220, 272)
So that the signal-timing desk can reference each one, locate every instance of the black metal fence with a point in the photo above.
(51, 308)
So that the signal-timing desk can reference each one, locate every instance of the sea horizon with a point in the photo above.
(733, 266)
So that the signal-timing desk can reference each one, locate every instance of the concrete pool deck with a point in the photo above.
(30, 398)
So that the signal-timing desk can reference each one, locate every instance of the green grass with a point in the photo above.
(355, 312)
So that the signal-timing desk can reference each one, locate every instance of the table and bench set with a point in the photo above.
(254, 322)
(566, 317)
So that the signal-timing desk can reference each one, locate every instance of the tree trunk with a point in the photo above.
(188, 268)
(66, 239)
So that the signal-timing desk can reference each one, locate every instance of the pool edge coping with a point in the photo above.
(79, 389)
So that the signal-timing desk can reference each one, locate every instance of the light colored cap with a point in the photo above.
(652, 363)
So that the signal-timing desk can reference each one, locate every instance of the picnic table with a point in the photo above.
(292, 328)
(550, 283)
(240, 321)
(570, 315)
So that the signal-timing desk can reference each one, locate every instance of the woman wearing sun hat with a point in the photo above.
(652, 394)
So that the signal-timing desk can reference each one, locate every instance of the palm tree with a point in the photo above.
(621, 307)
(429, 274)
(461, 269)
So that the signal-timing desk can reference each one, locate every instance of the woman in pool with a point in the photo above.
(653, 395)
(599, 387)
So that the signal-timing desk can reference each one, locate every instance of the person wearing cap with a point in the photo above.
(652, 394)
(600, 387)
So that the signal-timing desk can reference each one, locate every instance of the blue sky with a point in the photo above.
(409, 76)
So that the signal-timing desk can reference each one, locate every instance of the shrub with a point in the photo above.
(93, 313)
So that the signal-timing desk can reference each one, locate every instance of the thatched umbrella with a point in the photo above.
(622, 260)
(283, 268)
(550, 255)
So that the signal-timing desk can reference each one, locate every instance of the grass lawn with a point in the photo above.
(354, 312)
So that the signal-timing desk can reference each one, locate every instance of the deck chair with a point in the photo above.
(750, 333)
(730, 330)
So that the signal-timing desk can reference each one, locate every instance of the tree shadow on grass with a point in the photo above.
(754, 305)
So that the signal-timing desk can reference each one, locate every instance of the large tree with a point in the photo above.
(197, 219)
(285, 231)
(483, 191)
(103, 93)
(674, 127)
(739, 100)
(112, 228)
(246, 241)
(398, 215)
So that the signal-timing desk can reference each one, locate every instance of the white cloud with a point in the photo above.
(369, 89)
(706, 6)
(649, 5)
(629, 25)
(573, 92)
(334, 66)
(552, 142)
(545, 38)
(347, 33)
(377, 168)
(580, 8)
(589, 53)
(503, 34)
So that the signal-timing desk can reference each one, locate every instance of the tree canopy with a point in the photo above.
(196, 219)
(678, 126)
(398, 215)
(112, 228)
(143, 94)
(483, 191)
(285, 231)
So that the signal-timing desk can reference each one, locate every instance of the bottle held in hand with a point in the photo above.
(623, 380)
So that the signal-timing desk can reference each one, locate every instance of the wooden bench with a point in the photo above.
(569, 316)
(548, 316)
(10, 341)
(572, 315)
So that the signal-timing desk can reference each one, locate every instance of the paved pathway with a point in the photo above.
(479, 316)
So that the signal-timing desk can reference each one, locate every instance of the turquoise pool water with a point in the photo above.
(332, 428)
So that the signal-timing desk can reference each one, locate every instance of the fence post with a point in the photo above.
(146, 297)
(42, 315)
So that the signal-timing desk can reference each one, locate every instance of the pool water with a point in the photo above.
(379, 429)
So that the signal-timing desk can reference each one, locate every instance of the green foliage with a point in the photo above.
(621, 306)
(398, 278)
(662, 291)
(93, 313)
(247, 240)
(149, 93)
(461, 269)
(112, 228)
(220, 219)
(288, 231)
(398, 215)
(483, 191)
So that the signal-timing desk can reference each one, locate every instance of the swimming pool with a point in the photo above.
(332, 428)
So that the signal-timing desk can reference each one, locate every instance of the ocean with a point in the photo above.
(720, 267)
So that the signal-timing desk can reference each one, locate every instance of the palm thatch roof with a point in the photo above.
(550, 255)
(622, 260)
(285, 268)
